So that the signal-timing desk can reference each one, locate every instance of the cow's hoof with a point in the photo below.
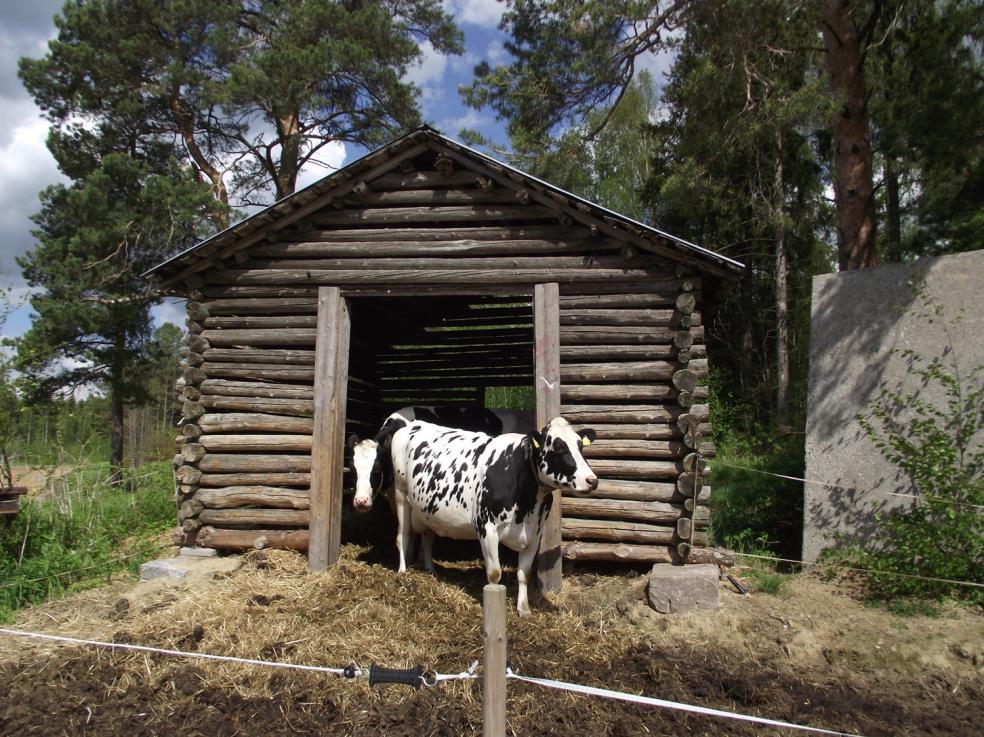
(527, 612)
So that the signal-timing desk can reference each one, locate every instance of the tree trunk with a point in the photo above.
(116, 435)
(290, 150)
(782, 301)
(893, 213)
(850, 137)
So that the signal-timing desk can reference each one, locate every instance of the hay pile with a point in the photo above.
(275, 609)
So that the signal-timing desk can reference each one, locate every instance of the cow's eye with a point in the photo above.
(559, 445)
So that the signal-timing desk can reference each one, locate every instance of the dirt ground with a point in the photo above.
(815, 656)
(38, 480)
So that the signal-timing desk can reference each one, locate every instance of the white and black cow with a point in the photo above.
(371, 462)
(466, 485)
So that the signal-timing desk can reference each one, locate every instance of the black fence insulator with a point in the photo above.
(734, 582)
(405, 676)
(350, 671)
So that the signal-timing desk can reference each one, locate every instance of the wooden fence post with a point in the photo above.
(327, 444)
(494, 671)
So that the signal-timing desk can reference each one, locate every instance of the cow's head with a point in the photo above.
(558, 460)
(372, 465)
(366, 472)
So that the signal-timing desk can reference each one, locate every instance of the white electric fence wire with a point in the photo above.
(176, 653)
(850, 488)
(836, 566)
(359, 672)
(662, 703)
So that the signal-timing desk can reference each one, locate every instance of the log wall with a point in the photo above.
(439, 269)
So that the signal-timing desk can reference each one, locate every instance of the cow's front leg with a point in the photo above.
(526, 556)
(488, 538)
(403, 530)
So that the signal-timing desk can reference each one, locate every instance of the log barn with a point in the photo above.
(425, 273)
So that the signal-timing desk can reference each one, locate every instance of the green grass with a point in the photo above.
(766, 582)
(749, 508)
(81, 532)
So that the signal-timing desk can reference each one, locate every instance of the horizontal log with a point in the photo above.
(260, 355)
(580, 353)
(212, 537)
(617, 318)
(666, 297)
(343, 277)
(685, 303)
(255, 479)
(616, 531)
(599, 334)
(260, 443)
(616, 552)
(226, 387)
(629, 431)
(620, 468)
(261, 306)
(265, 372)
(255, 422)
(622, 371)
(634, 490)
(258, 337)
(213, 291)
(614, 392)
(435, 214)
(274, 497)
(292, 407)
(435, 197)
(262, 321)
(635, 511)
(608, 448)
(717, 556)
(615, 413)
(658, 284)
(255, 517)
(423, 179)
(238, 463)
(412, 247)
(465, 263)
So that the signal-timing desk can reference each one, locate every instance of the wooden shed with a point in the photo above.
(424, 273)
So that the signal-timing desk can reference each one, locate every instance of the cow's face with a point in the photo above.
(368, 474)
(558, 459)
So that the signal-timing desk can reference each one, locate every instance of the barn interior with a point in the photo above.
(459, 350)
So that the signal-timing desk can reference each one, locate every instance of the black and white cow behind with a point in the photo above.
(371, 459)
(466, 485)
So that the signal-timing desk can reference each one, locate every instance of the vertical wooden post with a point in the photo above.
(494, 670)
(330, 390)
(546, 326)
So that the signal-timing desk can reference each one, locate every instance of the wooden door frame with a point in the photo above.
(546, 377)
(331, 366)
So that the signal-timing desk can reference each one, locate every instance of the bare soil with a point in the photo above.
(815, 656)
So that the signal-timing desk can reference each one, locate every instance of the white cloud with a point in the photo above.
(330, 158)
(496, 53)
(170, 310)
(486, 13)
(451, 126)
(26, 167)
(430, 68)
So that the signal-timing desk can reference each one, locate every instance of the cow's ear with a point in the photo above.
(353, 440)
(536, 440)
(588, 436)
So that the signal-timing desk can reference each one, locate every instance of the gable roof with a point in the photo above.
(342, 182)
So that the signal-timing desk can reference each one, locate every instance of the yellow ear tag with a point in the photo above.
(585, 442)
(535, 444)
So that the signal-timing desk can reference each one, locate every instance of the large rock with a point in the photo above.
(674, 589)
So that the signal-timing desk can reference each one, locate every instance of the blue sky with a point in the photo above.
(26, 167)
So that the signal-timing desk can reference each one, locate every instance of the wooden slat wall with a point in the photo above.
(631, 356)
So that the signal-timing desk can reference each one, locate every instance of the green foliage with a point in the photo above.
(764, 582)
(938, 448)
(265, 84)
(753, 512)
(76, 535)
(510, 397)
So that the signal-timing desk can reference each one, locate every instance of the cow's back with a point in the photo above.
(445, 474)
